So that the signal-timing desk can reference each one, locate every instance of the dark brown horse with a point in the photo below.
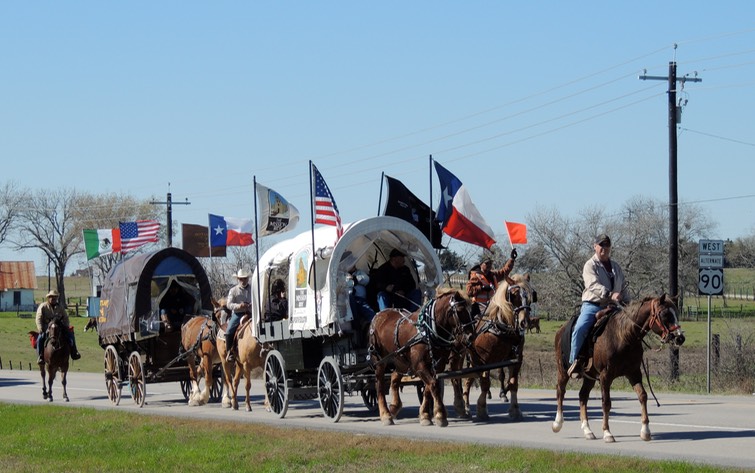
(55, 354)
(198, 336)
(618, 352)
(499, 336)
(418, 344)
(250, 356)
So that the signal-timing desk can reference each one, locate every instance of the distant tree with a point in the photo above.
(11, 199)
(101, 211)
(740, 253)
(46, 222)
(450, 261)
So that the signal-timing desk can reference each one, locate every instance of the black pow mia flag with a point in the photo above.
(401, 203)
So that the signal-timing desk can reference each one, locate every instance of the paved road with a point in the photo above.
(718, 430)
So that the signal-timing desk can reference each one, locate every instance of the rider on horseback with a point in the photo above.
(483, 281)
(46, 313)
(604, 285)
(239, 300)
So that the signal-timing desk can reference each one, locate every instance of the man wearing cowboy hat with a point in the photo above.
(46, 313)
(239, 300)
(483, 281)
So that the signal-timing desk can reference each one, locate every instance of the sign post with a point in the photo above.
(710, 279)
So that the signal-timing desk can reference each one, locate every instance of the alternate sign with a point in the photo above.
(711, 262)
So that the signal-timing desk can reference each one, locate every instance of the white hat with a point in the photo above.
(243, 273)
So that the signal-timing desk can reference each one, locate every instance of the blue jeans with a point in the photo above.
(361, 309)
(411, 301)
(582, 327)
(230, 332)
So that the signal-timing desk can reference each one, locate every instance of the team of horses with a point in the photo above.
(441, 337)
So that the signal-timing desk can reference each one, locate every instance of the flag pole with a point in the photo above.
(257, 251)
(209, 242)
(312, 228)
(430, 179)
(380, 195)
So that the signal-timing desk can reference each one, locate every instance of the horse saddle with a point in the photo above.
(601, 320)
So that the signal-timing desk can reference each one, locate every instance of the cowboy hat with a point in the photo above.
(242, 273)
(53, 293)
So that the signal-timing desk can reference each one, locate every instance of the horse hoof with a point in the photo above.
(441, 422)
(589, 436)
(608, 438)
(483, 416)
(556, 427)
(425, 422)
(645, 435)
(388, 421)
(248, 409)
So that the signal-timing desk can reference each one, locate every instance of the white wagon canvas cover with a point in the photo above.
(322, 301)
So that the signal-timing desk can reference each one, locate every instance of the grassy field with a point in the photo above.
(51, 438)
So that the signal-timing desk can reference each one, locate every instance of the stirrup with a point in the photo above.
(40, 360)
(75, 355)
(230, 357)
(575, 370)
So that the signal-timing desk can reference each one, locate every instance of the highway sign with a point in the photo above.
(711, 247)
(711, 282)
(711, 261)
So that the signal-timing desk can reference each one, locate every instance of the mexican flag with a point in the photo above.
(102, 242)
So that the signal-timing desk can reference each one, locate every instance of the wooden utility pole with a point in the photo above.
(674, 111)
(169, 203)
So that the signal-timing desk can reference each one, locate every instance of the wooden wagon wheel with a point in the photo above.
(185, 388)
(216, 391)
(136, 378)
(330, 388)
(276, 386)
(369, 396)
(112, 375)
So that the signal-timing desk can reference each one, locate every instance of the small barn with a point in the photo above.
(18, 281)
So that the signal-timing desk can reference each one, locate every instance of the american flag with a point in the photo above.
(136, 234)
(326, 210)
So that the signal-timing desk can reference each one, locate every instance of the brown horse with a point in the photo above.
(55, 354)
(250, 355)
(499, 336)
(198, 336)
(618, 352)
(421, 344)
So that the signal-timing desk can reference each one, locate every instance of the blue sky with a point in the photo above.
(530, 104)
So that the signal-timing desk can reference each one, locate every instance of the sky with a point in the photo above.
(531, 105)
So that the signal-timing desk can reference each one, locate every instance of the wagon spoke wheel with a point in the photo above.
(369, 396)
(330, 388)
(136, 378)
(185, 388)
(276, 387)
(216, 391)
(112, 375)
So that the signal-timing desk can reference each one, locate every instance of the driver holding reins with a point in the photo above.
(46, 313)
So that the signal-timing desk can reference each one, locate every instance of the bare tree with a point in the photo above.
(639, 233)
(11, 199)
(46, 222)
(106, 211)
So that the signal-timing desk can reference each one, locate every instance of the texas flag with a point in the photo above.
(230, 231)
(458, 216)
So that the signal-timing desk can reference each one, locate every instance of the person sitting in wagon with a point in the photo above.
(46, 313)
(173, 306)
(395, 284)
(277, 303)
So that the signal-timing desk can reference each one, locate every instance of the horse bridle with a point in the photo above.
(656, 309)
(524, 298)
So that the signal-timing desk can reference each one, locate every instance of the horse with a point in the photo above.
(91, 324)
(55, 354)
(418, 343)
(198, 336)
(534, 325)
(618, 352)
(499, 336)
(250, 355)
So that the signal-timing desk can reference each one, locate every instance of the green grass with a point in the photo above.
(52, 438)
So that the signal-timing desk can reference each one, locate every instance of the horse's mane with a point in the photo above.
(500, 309)
(626, 319)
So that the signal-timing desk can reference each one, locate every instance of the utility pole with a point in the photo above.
(169, 203)
(674, 112)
